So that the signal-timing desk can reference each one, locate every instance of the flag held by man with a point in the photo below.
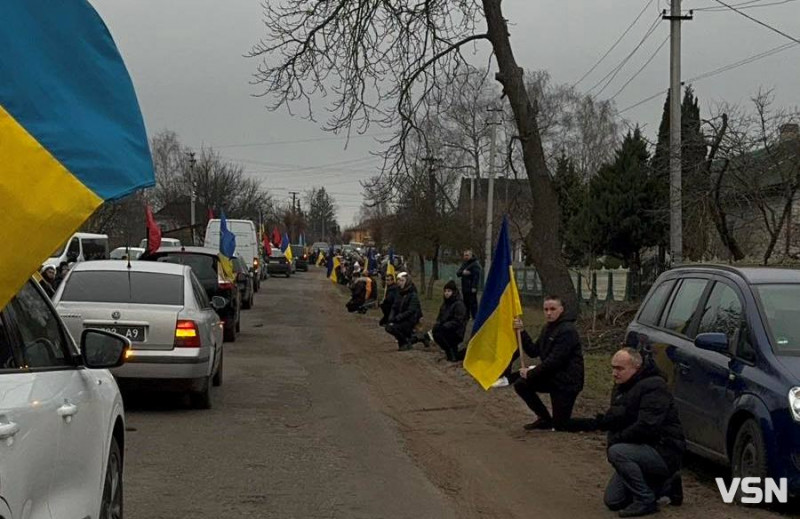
(72, 131)
(494, 339)
(227, 249)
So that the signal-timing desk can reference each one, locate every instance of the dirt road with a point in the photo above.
(320, 416)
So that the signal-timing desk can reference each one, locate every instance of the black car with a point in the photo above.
(300, 258)
(278, 264)
(204, 263)
(245, 281)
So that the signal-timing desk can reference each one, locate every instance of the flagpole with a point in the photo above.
(522, 362)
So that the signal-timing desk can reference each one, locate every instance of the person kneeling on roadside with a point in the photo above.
(451, 323)
(560, 372)
(405, 314)
(645, 438)
(358, 293)
(389, 298)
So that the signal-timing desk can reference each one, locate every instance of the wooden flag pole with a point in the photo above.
(522, 362)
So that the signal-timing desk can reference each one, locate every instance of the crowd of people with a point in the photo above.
(645, 439)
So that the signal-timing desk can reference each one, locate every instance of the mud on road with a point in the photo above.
(320, 416)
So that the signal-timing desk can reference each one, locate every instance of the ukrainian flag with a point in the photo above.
(71, 132)
(227, 249)
(494, 339)
(286, 247)
(389, 270)
(333, 262)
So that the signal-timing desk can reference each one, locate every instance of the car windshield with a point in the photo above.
(781, 304)
(146, 288)
(203, 266)
(276, 253)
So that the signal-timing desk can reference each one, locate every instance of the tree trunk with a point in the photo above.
(773, 239)
(543, 240)
(421, 285)
(434, 270)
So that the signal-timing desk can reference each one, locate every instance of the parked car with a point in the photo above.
(82, 246)
(163, 309)
(244, 280)
(278, 264)
(62, 425)
(728, 340)
(123, 253)
(204, 263)
(320, 246)
(300, 257)
(165, 242)
(248, 246)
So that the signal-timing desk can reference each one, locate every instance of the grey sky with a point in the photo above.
(185, 57)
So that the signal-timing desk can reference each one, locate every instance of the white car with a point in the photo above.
(163, 309)
(62, 427)
(123, 253)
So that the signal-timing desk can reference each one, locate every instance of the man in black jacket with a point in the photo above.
(389, 298)
(405, 314)
(560, 372)
(645, 438)
(470, 273)
(451, 323)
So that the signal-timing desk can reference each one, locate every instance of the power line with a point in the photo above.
(759, 22)
(652, 57)
(614, 46)
(742, 6)
(302, 141)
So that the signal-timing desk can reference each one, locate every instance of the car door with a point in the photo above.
(210, 324)
(28, 436)
(678, 324)
(709, 372)
(68, 395)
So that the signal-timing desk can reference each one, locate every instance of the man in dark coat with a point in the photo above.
(451, 323)
(405, 314)
(560, 372)
(388, 301)
(470, 273)
(358, 293)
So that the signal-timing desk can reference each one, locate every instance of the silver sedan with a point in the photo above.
(163, 309)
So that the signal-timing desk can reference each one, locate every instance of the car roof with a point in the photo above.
(191, 250)
(751, 275)
(137, 249)
(155, 267)
(90, 235)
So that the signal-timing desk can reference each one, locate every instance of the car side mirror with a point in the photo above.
(717, 342)
(103, 350)
(218, 302)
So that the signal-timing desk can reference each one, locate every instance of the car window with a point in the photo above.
(781, 305)
(74, 249)
(684, 305)
(203, 266)
(199, 292)
(722, 313)
(94, 249)
(8, 355)
(43, 341)
(143, 288)
(651, 311)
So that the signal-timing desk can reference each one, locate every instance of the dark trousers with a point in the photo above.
(471, 302)
(403, 332)
(562, 402)
(640, 475)
(354, 304)
(448, 340)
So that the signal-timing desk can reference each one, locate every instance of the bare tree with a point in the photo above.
(380, 60)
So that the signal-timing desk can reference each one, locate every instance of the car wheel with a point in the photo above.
(749, 457)
(111, 504)
(217, 380)
(252, 300)
(202, 399)
(229, 333)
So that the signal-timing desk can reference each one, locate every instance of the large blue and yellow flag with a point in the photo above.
(227, 248)
(494, 339)
(286, 247)
(71, 132)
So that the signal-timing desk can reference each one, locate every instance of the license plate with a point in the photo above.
(134, 333)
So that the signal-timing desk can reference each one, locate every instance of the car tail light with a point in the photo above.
(255, 263)
(186, 334)
(224, 284)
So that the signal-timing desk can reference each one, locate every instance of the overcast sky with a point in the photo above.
(185, 57)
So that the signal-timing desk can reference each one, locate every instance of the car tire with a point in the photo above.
(111, 503)
(749, 457)
(252, 300)
(202, 399)
(229, 333)
(217, 380)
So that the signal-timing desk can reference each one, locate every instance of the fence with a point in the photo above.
(606, 284)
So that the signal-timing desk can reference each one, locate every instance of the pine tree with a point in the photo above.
(571, 196)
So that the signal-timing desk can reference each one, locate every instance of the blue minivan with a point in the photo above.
(728, 341)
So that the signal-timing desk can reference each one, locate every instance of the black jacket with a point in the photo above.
(643, 411)
(453, 315)
(473, 280)
(559, 348)
(407, 309)
(358, 291)
(392, 293)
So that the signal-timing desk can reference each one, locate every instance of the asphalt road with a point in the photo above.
(292, 431)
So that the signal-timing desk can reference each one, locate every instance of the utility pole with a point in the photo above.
(490, 191)
(675, 183)
(193, 218)
(294, 213)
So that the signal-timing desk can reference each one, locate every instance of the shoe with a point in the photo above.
(637, 509)
(501, 382)
(539, 425)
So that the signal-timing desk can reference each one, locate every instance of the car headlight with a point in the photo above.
(794, 403)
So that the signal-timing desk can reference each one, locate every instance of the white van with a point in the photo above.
(247, 244)
(82, 246)
(165, 242)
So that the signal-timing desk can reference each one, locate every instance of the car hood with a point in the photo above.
(792, 365)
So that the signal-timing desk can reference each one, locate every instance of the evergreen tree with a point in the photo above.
(571, 196)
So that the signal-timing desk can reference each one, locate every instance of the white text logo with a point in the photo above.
(754, 491)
